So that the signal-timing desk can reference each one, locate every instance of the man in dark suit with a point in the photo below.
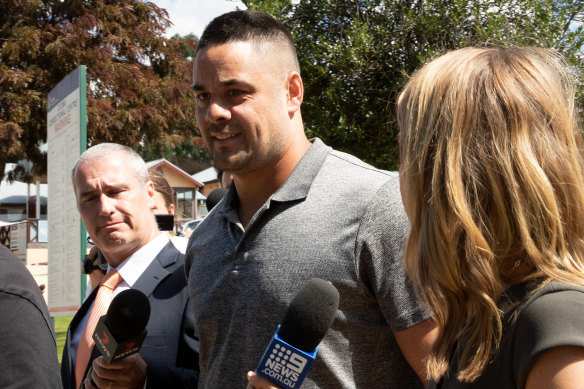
(28, 353)
(114, 197)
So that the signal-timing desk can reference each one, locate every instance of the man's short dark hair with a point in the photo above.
(246, 26)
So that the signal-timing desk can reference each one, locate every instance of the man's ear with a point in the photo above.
(150, 192)
(295, 92)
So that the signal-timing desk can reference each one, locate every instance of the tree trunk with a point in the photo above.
(2, 167)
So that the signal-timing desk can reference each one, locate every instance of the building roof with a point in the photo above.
(19, 200)
(163, 161)
(18, 188)
(207, 175)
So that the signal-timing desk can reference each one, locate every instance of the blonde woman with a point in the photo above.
(491, 170)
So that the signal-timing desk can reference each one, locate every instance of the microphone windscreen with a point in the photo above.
(214, 197)
(128, 314)
(310, 315)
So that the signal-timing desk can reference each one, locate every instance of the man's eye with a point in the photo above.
(235, 92)
(203, 96)
(88, 199)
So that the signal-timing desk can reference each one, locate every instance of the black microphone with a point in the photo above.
(293, 347)
(121, 331)
(214, 197)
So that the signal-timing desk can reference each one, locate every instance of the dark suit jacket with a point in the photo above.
(28, 353)
(170, 348)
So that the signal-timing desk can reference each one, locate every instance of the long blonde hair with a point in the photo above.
(491, 166)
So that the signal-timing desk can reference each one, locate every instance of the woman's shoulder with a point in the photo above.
(552, 317)
(555, 289)
(552, 307)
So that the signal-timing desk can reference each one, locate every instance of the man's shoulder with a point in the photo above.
(332, 163)
(347, 174)
(170, 258)
(165, 271)
(357, 168)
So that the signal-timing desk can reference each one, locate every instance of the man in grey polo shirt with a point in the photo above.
(297, 210)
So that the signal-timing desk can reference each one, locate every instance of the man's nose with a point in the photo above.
(217, 111)
(107, 205)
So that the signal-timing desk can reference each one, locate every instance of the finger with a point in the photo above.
(88, 385)
(258, 382)
(97, 382)
(103, 371)
(249, 379)
(122, 373)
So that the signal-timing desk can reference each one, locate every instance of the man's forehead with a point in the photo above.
(232, 46)
(232, 63)
(226, 54)
(110, 171)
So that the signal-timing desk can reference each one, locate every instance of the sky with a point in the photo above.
(191, 16)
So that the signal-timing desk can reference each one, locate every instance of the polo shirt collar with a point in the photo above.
(296, 186)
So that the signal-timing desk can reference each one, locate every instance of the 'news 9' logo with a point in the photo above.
(284, 365)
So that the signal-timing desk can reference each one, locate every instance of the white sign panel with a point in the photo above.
(65, 127)
(18, 239)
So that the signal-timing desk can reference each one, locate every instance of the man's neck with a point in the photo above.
(254, 188)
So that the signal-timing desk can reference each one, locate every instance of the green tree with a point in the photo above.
(356, 55)
(139, 82)
(190, 154)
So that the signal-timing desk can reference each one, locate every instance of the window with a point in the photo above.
(184, 203)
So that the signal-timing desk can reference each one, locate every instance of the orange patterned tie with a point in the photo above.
(100, 306)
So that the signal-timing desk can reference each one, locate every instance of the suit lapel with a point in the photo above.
(157, 270)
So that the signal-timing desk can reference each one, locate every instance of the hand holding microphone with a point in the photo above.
(118, 336)
(293, 347)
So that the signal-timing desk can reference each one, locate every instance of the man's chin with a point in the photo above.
(114, 240)
(230, 162)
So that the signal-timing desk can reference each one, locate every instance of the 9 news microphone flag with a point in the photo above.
(293, 347)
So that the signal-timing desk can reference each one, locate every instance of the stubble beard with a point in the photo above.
(251, 156)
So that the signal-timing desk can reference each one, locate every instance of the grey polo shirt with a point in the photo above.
(334, 218)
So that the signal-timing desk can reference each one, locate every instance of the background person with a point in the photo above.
(115, 197)
(28, 351)
(297, 210)
(493, 184)
(95, 266)
(164, 204)
(225, 178)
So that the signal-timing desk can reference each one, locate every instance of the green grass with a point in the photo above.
(61, 324)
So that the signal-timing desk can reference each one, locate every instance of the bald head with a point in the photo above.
(104, 150)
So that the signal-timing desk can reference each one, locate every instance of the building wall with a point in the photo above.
(210, 187)
(40, 274)
(175, 179)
